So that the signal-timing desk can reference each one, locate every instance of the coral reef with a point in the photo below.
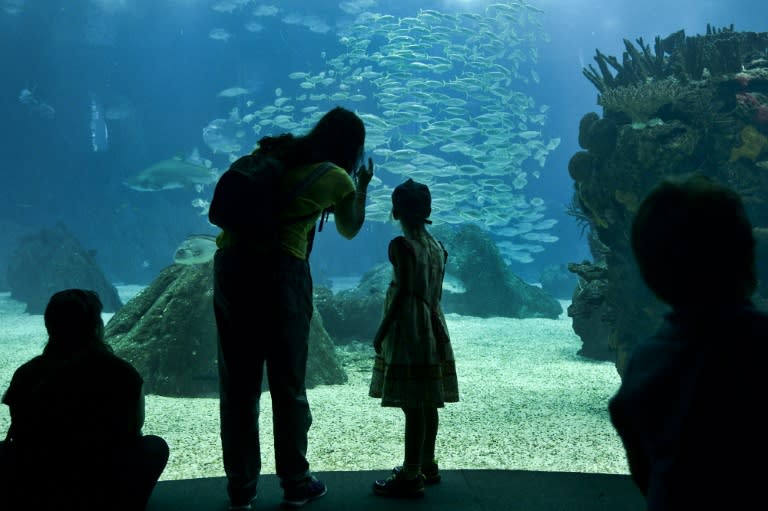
(754, 104)
(719, 52)
(752, 144)
(641, 101)
(693, 104)
(581, 166)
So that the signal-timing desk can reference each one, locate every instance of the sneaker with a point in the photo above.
(299, 493)
(233, 506)
(397, 486)
(430, 472)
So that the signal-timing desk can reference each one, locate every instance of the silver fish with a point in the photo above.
(233, 92)
(221, 135)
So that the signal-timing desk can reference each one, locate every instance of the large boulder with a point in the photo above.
(12, 234)
(168, 332)
(354, 314)
(489, 287)
(477, 283)
(52, 260)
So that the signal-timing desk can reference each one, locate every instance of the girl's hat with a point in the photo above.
(412, 201)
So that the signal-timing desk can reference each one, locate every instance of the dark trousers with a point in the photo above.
(263, 309)
(124, 482)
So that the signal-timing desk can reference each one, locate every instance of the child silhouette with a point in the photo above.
(688, 410)
(414, 367)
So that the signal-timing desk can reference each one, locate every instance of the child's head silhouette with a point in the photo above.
(412, 203)
(693, 243)
(73, 321)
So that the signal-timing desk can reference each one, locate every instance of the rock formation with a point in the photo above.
(477, 283)
(52, 260)
(168, 332)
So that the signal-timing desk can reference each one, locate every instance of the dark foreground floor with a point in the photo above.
(471, 490)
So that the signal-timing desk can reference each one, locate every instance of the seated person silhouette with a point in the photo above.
(77, 410)
(689, 409)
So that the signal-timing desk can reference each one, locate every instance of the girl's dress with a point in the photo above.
(416, 367)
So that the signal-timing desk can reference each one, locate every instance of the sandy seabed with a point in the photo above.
(528, 402)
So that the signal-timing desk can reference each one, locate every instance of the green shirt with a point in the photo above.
(327, 191)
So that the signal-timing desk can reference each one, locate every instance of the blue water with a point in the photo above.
(156, 72)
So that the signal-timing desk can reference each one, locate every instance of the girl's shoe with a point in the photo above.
(430, 472)
(397, 486)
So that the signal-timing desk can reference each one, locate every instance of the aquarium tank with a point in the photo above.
(119, 116)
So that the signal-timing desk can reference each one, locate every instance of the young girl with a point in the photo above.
(414, 367)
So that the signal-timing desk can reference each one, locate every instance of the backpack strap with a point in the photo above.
(294, 192)
(307, 181)
(303, 185)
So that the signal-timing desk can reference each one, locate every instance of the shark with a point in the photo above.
(173, 173)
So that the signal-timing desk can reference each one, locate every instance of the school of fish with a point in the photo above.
(441, 95)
